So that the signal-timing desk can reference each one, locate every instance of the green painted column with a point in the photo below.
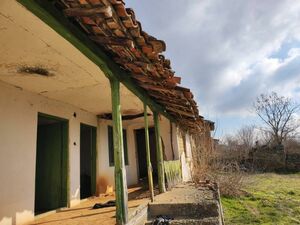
(149, 166)
(159, 155)
(120, 172)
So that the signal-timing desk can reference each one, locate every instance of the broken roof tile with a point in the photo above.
(115, 28)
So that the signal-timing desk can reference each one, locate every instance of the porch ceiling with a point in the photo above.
(29, 44)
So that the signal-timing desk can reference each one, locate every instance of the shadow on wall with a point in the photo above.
(19, 218)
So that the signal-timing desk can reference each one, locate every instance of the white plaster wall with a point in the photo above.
(105, 172)
(175, 142)
(132, 168)
(188, 146)
(185, 166)
(131, 126)
(165, 132)
(18, 129)
(186, 160)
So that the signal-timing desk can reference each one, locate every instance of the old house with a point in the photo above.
(87, 101)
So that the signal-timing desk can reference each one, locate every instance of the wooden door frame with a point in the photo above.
(137, 148)
(65, 158)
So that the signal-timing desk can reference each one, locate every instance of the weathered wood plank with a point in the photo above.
(154, 87)
(179, 88)
(176, 79)
(176, 105)
(167, 98)
(108, 116)
(73, 12)
(181, 112)
(143, 78)
(112, 40)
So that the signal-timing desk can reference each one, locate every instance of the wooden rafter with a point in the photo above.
(78, 12)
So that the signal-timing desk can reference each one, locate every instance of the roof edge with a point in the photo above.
(56, 20)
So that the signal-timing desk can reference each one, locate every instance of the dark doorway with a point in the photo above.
(87, 161)
(51, 164)
(141, 150)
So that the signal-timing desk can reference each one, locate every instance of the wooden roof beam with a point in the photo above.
(79, 12)
(112, 40)
(166, 97)
(154, 87)
(181, 112)
(184, 106)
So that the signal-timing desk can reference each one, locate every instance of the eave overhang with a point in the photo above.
(110, 36)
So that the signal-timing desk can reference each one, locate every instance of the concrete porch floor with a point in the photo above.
(188, 204)
(83, 214)
(185, 203)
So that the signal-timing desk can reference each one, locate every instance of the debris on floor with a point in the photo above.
(162, 220)
(104, 205)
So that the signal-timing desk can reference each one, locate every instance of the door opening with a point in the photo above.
(51, 164)
(87, 161)
(141, 150)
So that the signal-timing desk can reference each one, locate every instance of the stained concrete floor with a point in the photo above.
(83, 214)
(186, 193)
(188, 204)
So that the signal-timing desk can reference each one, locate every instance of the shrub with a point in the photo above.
(208, 165)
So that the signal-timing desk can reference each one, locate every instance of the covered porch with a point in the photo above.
(51, 74)
(84, 214)
(45, 80)
(184, 204)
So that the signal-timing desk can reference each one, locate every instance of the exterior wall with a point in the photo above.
(133, 171)
(175, 141)
(170, 149)
(106, 172)
(18, 129)
(187, 160)
(188, 146)
(185, 152)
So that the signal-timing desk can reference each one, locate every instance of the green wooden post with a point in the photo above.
(120, 172)
(149, 166)
(159, 155)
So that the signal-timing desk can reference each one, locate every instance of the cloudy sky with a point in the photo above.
(228, 52)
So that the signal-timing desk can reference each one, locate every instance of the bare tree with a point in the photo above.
(240, 143)
(264, 137)
(246, 136)
(277, 112)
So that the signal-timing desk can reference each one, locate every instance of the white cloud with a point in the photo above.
(226, 50)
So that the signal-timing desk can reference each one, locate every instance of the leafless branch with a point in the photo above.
(277, 112)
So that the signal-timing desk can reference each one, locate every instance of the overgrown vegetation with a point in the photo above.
(270, 199)
(208, 165)
(250, 197)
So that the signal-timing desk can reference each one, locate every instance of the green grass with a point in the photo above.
(271, 199)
